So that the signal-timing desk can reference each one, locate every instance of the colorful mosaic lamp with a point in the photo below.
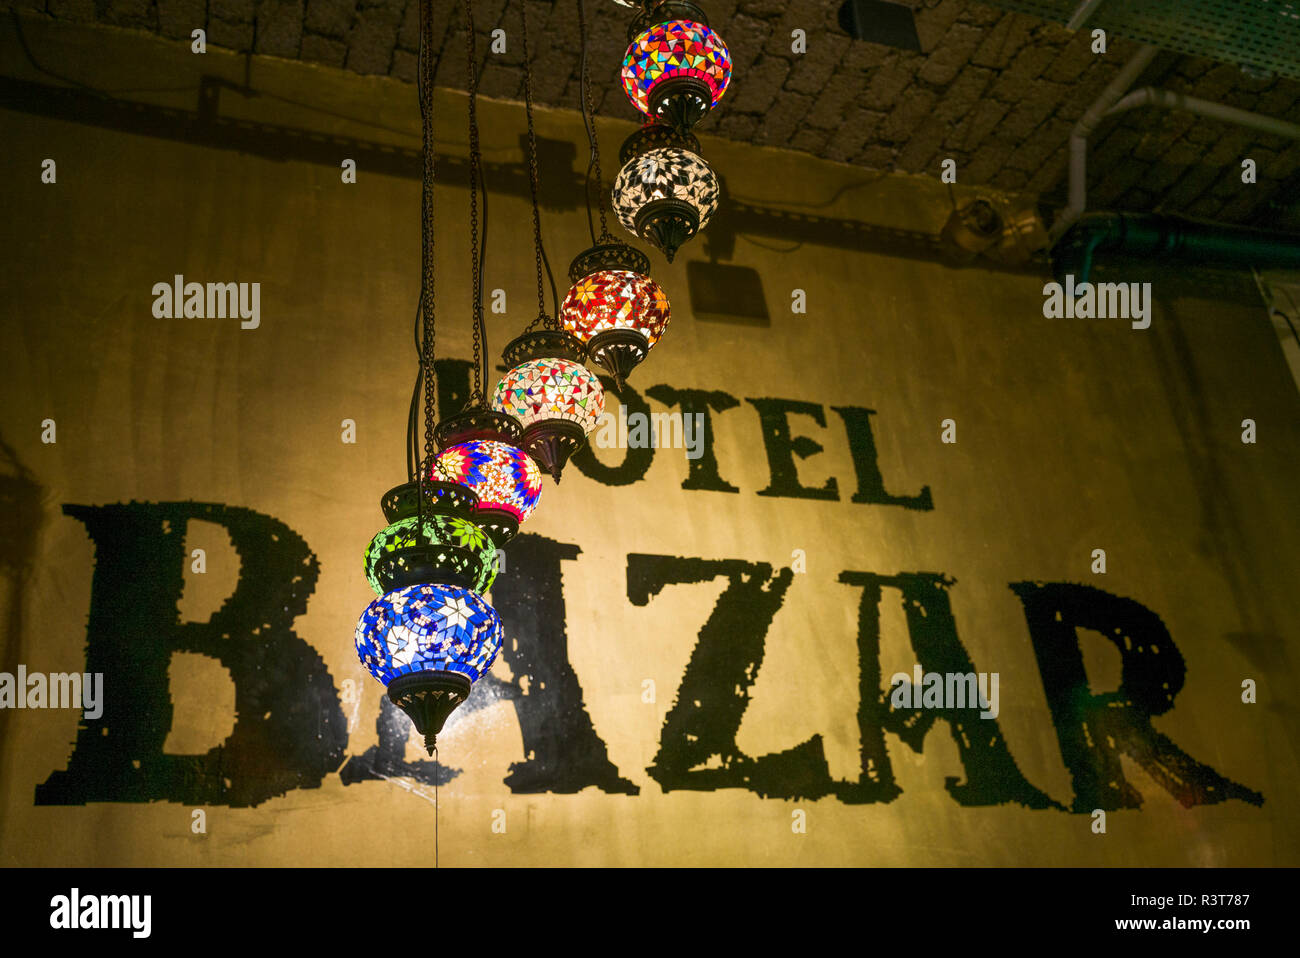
(479, 448)
(554, 396)
(453, 551)
(676, 68)
(428, 643)
(430, 634)
(665, 191)
(614, 306)
(449, 556)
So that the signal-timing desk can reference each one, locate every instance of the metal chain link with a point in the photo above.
(480, 372)
(532, 173)
(589, 120)
(425, 83)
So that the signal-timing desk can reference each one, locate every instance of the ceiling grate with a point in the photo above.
(1261, 36)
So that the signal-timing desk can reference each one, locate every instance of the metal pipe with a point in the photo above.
(1082, 13)
(1169, 100)
(1113, 101)
(1157, 237)
(1092, 117)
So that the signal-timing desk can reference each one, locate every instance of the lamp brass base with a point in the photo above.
(428, 698)
(619, 351)
(667, 224)
(551, 442)
(680, 102)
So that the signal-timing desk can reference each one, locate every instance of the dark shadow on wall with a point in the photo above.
(1171, 280)
(562, 185)
(20, 525)
(1222, 538)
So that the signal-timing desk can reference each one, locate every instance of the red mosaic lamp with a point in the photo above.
(614, 307)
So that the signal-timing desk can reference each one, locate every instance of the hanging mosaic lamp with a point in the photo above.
(479, 448)
(676, 68)
(429, 635)
(554, 396)
(665, 191)
(452, 555)
(453, 550)
(428, 643)
(614, 306)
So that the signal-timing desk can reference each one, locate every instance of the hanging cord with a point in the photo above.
(413, 414)
(423, 333)
(425, 381)
(555, 296)
(427, 234)
(589, 122)
(539, 253)
(426, 378)
(477, 252)
(1265, 294)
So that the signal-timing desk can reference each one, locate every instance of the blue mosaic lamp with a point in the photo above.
(430, 634)
(428, 644)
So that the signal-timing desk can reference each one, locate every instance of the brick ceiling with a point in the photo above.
(996, 91)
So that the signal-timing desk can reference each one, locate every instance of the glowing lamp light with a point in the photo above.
(615, 307)
(543, 389)
(558, 402)
(620, 314)
(665, 192)
(428, 644)
(616, 299)
(506, 479)
(676, 72)
(452, 551)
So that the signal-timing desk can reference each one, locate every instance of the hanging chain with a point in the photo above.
(425, 83)
(475, 173)
(532, 174)
(589, 120)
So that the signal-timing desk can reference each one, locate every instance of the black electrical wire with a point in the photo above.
(424, 319)
(1286, 316)
(555, 296)
(588, 123)
(543, 262)
(482, 262)
(477, 190)
(413, 415)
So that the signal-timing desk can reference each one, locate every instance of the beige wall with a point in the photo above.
(1072, 435)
